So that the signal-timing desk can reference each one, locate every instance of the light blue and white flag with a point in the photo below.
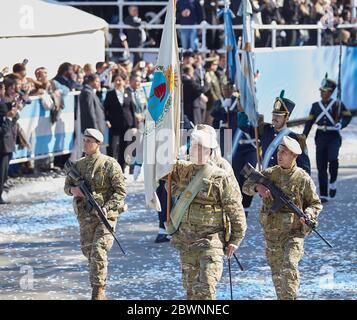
(230, 42)
(245, 74)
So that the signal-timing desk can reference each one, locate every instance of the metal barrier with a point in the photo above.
(204, 26)
(46, 138)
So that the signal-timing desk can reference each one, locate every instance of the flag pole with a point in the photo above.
(226, 7)
(256, 134)
(339, 91)
(169, 195)
(169, 177)
(248, 48)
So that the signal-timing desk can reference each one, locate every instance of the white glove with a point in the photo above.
(105, 212)
(338, 126)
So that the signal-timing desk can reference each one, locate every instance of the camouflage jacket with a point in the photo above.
(299, 187)
(106, 182)
(203, 223)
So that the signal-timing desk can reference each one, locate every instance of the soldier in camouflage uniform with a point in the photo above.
(106, 180)
(201, 238)
(283, 231)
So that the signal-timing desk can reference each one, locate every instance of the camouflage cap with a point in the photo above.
(292, 144)
(95, 134)
(205, 135)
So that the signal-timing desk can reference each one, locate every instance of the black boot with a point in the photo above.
(162, 238)
(333, 193)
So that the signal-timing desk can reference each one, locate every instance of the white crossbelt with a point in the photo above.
(329, 128)
(233, 104)
(225, 105)
(325, 112)
(245, 141)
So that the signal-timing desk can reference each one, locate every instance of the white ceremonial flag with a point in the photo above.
(162, 126)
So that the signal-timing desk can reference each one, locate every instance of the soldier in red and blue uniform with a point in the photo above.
(330, 116)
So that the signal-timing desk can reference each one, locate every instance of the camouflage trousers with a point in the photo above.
(96, 241)
(283, 253)
(201, 272)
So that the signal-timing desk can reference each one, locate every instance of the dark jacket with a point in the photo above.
(196, 15)
(121, 116)
(219, 114)
(191, 91)
(267, 134)
(69, 83)
(92, 111)
(7, 134)
(133, 35)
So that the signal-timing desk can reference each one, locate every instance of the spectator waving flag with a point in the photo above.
(245, 74)
(162, 126)
(229, 40)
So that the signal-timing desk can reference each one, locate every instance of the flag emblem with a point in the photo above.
(161, 93)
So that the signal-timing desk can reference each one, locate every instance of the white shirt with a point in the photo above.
(120, 95)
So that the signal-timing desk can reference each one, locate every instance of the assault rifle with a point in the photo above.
(80, 182)
(280, 199)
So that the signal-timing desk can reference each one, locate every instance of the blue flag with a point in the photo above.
(229, 41)
(245, 74)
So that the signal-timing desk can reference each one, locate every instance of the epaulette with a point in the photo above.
(346, 113)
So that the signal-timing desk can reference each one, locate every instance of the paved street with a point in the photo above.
(40, 256)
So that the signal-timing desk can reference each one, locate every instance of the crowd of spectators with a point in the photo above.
(328, 13)
(111, 96)
(17, 89)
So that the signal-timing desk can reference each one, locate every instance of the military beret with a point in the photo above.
(95, 134)
(292, 145)
(205, 135)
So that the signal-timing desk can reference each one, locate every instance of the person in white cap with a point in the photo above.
(284, 232)
(208, 199)
(106, 180)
